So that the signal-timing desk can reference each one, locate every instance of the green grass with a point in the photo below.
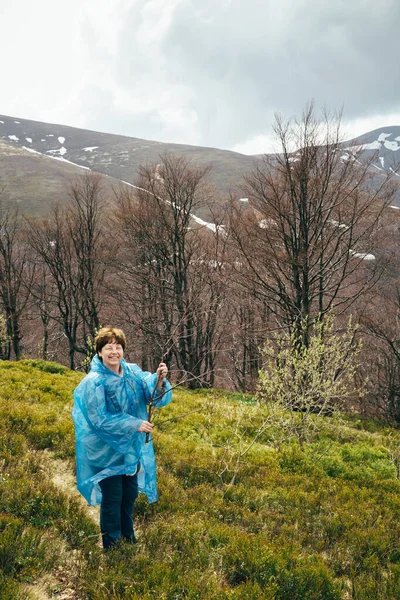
(314, 524)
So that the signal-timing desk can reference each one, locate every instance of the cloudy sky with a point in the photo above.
(203, 72)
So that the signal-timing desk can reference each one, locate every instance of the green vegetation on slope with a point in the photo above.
(318, 524)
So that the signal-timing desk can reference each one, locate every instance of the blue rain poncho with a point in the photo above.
(108, 411)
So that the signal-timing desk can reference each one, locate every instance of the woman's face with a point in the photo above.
(112, 353)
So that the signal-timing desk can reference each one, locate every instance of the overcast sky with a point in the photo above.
(203, 72)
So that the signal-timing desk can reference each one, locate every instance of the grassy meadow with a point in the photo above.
(239, 516)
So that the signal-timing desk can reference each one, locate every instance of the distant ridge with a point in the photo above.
(37, 159)
(117, 156)
(382, 144)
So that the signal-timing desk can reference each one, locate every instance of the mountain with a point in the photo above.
(37, 160)
(380, 145)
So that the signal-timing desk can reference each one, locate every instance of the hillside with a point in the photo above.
(382, 145)
(38, 159)
(282, 524)
(116, 156)
(35, 182)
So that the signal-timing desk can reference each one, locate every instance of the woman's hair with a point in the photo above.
(108, 334)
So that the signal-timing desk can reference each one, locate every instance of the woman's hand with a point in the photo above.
(162, 371)
(146, 427)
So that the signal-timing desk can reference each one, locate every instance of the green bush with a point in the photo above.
(22, 552)
(9, 589)
(46, 367)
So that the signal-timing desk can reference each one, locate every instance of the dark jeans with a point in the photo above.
(119, 496)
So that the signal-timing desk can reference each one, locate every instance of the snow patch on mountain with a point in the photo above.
(61, 151)
(214, 228)
(60, 158)
(339, 225)
(362, 255)
(69, 162)
(370, 146)
(32, 150)
(211, 226)
(381, 142)
(392, 145)
(266, 223)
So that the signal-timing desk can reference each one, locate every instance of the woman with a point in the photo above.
(114, 462)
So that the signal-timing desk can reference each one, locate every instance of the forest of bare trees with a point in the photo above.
(316, 237)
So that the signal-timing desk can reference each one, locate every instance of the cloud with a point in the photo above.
(38, 67)
(128, 85)
(275, 56)
(200, 71)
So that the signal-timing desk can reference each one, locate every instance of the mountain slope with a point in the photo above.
(114, 155)
(382, 145)
(37, 160)
(31, 180)
(34, 181)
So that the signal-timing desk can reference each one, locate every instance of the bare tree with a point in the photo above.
(69, 245)
(44, 307)
(381, 367)
(173, 266)
(83, 217)
(53, 245)
(16, 273)
(246, 334)
(306, 245)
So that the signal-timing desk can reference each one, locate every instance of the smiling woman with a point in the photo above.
(114, 461)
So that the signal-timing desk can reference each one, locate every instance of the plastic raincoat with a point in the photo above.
(108, 411)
